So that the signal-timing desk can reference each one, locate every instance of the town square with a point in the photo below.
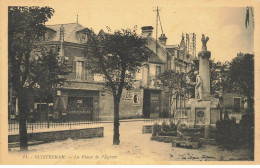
(151, 83)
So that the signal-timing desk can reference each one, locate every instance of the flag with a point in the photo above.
(247, 17)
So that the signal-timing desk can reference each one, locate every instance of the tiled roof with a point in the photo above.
(70, 30)
(155, 59)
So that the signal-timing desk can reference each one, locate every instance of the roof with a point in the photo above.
(155, 59)
(70, 30)
(172, 46)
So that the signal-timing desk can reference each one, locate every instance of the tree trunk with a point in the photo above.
(170, 105)
(116, 140)
(22, 107)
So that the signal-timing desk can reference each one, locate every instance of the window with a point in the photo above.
(139, 74)
(237, 103)
(80, 70)
(136, 99)
(80, 103)
(158, 71)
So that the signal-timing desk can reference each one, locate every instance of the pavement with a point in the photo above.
(134, 147)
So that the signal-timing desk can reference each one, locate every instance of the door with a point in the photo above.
(147, 104)
(155, 105)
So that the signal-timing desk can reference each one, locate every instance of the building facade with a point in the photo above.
(84, 95)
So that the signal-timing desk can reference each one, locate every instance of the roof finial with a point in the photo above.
(77, 19)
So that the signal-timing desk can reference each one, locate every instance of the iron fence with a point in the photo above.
(13, 126)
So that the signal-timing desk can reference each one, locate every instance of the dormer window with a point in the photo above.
(82, 36)
(49, 35)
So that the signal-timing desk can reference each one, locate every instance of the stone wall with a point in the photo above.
(128, 109)
(61, 135)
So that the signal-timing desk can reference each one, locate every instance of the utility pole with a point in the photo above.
(156, 38)
(157, 20)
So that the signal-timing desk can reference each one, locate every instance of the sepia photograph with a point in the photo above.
(129, 82)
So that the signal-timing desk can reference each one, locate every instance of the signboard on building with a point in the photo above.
(127, 95)
(58, 92)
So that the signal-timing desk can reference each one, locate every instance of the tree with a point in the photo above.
(217, 75)
(47, 70)
(176, 84)
(241, 78)
(117, 56)
(25, 26)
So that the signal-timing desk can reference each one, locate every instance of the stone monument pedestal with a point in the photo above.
(202, 113)
(204, 72)
(203, 110)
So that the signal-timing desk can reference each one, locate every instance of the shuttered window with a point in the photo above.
(158, 71)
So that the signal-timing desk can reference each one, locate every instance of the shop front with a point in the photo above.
(77, 105)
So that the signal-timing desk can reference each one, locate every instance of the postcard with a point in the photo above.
(142, 82)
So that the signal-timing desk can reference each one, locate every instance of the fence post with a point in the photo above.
(69, 122)
(48, 124)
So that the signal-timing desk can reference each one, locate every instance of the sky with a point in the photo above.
(225, 26)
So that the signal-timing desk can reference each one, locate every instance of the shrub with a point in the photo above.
(231, 135)
(227, 133)
(246, 126)
(156, 129)
(165, 126)
(172, 126)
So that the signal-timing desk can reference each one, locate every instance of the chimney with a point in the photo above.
(163, 39)
(147, 31)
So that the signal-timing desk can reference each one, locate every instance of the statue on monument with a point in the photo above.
(199, 88)
(204, 42)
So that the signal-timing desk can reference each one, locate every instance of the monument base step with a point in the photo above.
(205, 141)
(186, 144)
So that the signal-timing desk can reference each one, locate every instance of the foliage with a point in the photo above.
(165, 125)
(47, 71)
(26, 25)
(227, 133)
(155, 129)
(246, 125)
(117, 56)
(231, 135)
(218, 75)
(241, 77)
(175, 82)
(172, 126)
(168, 127)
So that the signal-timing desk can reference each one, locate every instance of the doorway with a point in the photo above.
(151, 103)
